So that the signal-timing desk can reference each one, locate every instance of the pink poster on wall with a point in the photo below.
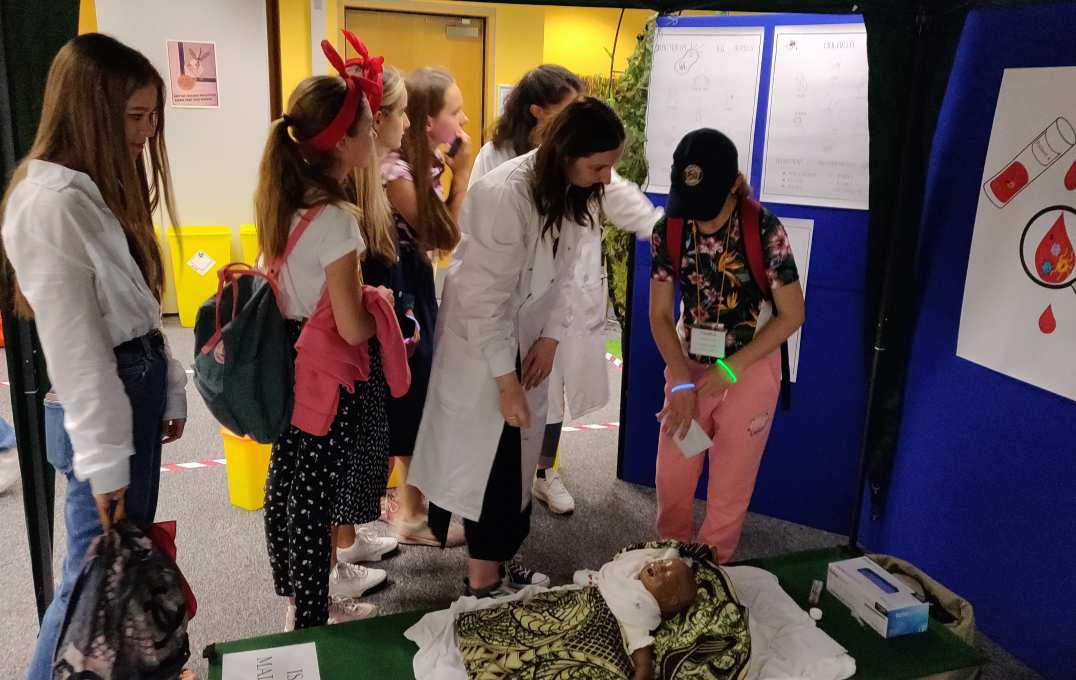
(192, 70)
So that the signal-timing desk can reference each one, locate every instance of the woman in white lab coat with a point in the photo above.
(504, 310)
(579, 373)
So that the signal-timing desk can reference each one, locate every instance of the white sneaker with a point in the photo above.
(351, 580)
(368, 547)
(552, 492)
(289, 619)
(344, 609)
(9, 470)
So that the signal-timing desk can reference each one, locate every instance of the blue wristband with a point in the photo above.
(681, 388)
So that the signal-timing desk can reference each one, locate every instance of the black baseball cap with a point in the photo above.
(705, 166)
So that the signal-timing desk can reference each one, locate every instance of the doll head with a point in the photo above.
(672, 583)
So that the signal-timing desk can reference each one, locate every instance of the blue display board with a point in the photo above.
(808, 472)
(983, 493)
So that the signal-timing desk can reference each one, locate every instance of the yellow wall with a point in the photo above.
(87, 16)
(580, 39)
(524, 36)
(294, 45)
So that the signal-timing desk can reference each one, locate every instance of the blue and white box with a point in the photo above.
(877, 598)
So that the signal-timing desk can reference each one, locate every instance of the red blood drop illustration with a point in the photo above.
(1070, 177)
(1009, 181)
(1055, 257)
(1047, 322)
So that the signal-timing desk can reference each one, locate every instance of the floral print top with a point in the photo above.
(700, 287)
(393, 167)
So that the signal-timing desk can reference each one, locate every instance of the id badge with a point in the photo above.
(708, 341)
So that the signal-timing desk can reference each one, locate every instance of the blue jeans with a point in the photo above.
(143, 369)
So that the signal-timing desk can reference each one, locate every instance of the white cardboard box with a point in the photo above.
(877, 598)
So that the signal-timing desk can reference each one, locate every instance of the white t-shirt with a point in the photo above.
(634, 608)
(333, 234)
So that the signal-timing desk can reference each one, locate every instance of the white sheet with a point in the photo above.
(785, 643)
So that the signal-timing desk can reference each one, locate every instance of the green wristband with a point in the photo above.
(727, 369)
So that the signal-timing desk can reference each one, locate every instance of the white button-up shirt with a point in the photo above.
(74, 267)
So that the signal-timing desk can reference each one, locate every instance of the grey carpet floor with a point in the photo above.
(222, 548)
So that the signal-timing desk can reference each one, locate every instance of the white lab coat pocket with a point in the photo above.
(459, 374)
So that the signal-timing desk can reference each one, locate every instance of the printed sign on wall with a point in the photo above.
(192, 70)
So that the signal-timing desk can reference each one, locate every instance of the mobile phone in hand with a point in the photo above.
(455, 147)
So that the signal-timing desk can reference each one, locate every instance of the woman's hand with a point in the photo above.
(513, 402)
(678, 413)
(172, 430)
(387, 294)
(104, 503)
(538, 363)
(460, 163)
(716, 382)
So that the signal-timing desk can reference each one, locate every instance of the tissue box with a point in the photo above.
(876, 597)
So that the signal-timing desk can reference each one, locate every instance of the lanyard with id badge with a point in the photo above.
(707, 343)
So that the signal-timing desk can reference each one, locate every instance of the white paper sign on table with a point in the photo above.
(701, 77)
(816, 149)
(1019, 311)
(800, 232)
(294, 662)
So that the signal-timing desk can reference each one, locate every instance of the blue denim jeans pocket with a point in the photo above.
(58, 449)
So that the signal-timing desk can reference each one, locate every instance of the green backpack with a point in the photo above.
(244, 363)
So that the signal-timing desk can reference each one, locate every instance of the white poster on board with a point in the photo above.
(800, 233)
(1019, 312)
(701, 77)
(816, 148)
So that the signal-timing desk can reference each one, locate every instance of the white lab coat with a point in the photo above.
(579, 374)
(504, 289)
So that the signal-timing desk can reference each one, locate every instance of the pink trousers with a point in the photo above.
(739, 424)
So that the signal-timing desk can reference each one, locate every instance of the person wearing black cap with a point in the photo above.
(741, 300)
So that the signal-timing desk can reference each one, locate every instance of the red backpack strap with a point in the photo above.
(750, 212)
(674, 241)
(309, 216)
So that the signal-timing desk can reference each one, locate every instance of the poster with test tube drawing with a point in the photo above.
(701, 77)
(817, 141)
(1019, 310)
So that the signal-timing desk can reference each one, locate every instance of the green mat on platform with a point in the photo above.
(376, 648)
(912, 656)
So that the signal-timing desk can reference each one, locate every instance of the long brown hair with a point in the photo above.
(436, 229)
(378, 227)
(542, 86)
(585, 127)
(293, 176)
(83, 127)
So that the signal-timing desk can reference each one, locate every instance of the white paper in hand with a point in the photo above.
(694, 442)
(294, 662)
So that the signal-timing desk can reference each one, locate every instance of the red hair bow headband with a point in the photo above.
(370, 68)
(369, 83)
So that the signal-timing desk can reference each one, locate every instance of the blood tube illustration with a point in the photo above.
(1051, 144)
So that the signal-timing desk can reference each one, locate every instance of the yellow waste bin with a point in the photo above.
(248, 465)
(197, 254)
(248, 239)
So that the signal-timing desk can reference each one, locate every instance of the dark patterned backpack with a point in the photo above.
(127, 617)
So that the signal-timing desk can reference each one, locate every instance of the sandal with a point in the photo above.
(418, 532)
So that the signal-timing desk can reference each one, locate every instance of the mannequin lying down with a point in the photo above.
(660, 610)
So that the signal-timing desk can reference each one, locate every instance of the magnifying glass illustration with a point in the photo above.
(1048, 256)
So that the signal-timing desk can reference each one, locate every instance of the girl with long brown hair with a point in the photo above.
(337, 476)
(425, 223)
(504, 311)
(78, 232)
